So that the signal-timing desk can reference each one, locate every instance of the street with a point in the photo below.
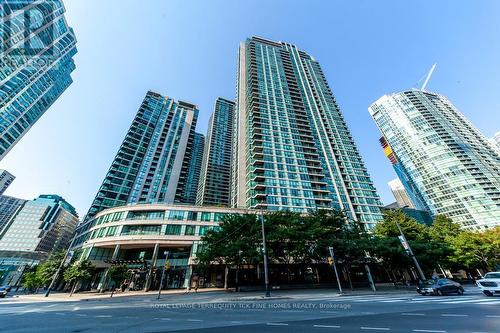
(287, 311)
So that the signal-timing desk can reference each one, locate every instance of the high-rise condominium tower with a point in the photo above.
(451, 164)
(215, 176)
(194, 170)
(153, 162)
(399, 192)
(292, 148)
(36, 62)
(6, 178)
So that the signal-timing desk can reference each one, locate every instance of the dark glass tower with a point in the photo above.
(194, 170)
(215, 176)
(36, 60)
(152, 164)
(292, 148)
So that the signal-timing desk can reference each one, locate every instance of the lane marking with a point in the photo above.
(453, 315)
(392, 301)
(326, 326)
(76, 308)
(81, 315)
(490, 302)
(236, 322)
(104, 316)
(197, 320)
(429, 331)
(165, 319)
(412, 314)
(277, 324)
(490, 316)
(375, 328)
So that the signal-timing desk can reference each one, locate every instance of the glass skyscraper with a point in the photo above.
(194, 170)
(292, 149)
(152, 163)
(215, 176)
(448, 162)
(35, 64)
(8, 207)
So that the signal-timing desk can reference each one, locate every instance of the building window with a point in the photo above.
(206, 216)
(176, 215)
(190, 230)
(173, 229)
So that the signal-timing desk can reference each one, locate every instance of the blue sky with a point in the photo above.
(187, 50)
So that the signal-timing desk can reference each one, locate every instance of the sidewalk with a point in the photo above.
(94, 295)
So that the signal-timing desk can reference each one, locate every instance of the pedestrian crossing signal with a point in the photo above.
(330, 261)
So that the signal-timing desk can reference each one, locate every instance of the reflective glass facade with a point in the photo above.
(194, 170)
(44, 224)
(35, 64)
(215, 176)
(152, 163)
(8, 207)
(446, 160)
(292, 148)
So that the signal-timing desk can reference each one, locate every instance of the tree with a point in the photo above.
(474, 250)
(444, 229)
(80, 271)
(118, 273)
(46, 270)
(31, 281)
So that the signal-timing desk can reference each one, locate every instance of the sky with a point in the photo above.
(188, 50)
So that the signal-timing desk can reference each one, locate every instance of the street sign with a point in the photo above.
(403, 242)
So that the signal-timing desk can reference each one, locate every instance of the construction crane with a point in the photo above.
(428, 77)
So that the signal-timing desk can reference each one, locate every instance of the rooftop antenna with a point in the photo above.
(428, 77)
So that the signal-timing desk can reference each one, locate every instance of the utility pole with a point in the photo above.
(335, 268)
(162, 274)
(407, 247)
(264, 250)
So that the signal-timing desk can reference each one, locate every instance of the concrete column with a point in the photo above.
(153, 263)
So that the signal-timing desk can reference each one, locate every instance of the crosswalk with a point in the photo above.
(410, 299)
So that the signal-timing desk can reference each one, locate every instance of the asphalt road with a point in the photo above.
(317, 311)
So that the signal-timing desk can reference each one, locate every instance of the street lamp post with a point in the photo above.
(335, 268)
(162, 274)
(264, 250)
(407, 247)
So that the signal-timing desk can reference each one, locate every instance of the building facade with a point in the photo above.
(40, 227)
(292, 149)
(138, 235)
(215, 179)
(495, 141)
(8, 208)
(442, 155)
(194, 170)
(35, 64)
(6, 178)
(152, 163)
(400, 194)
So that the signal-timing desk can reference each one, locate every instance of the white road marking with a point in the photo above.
(490, 302)
(236, 322)
(489, 316)
(375, 328)
(104, 316)
(76, 308)
(429, 331)
(326, 326)
(198, 320)
(81, 315)
(277, 324)
(412, 314)
(453, 315)
(165, 319)
(392, 301)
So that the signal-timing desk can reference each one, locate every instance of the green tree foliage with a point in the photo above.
(31, 281)
(118, 273)
(477, 250)
(80, 271)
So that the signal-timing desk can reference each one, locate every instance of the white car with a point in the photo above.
(490, 283)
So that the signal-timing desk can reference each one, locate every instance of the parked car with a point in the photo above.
(439, 287)
(490, 283)
(3, 292)
(7, 287)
